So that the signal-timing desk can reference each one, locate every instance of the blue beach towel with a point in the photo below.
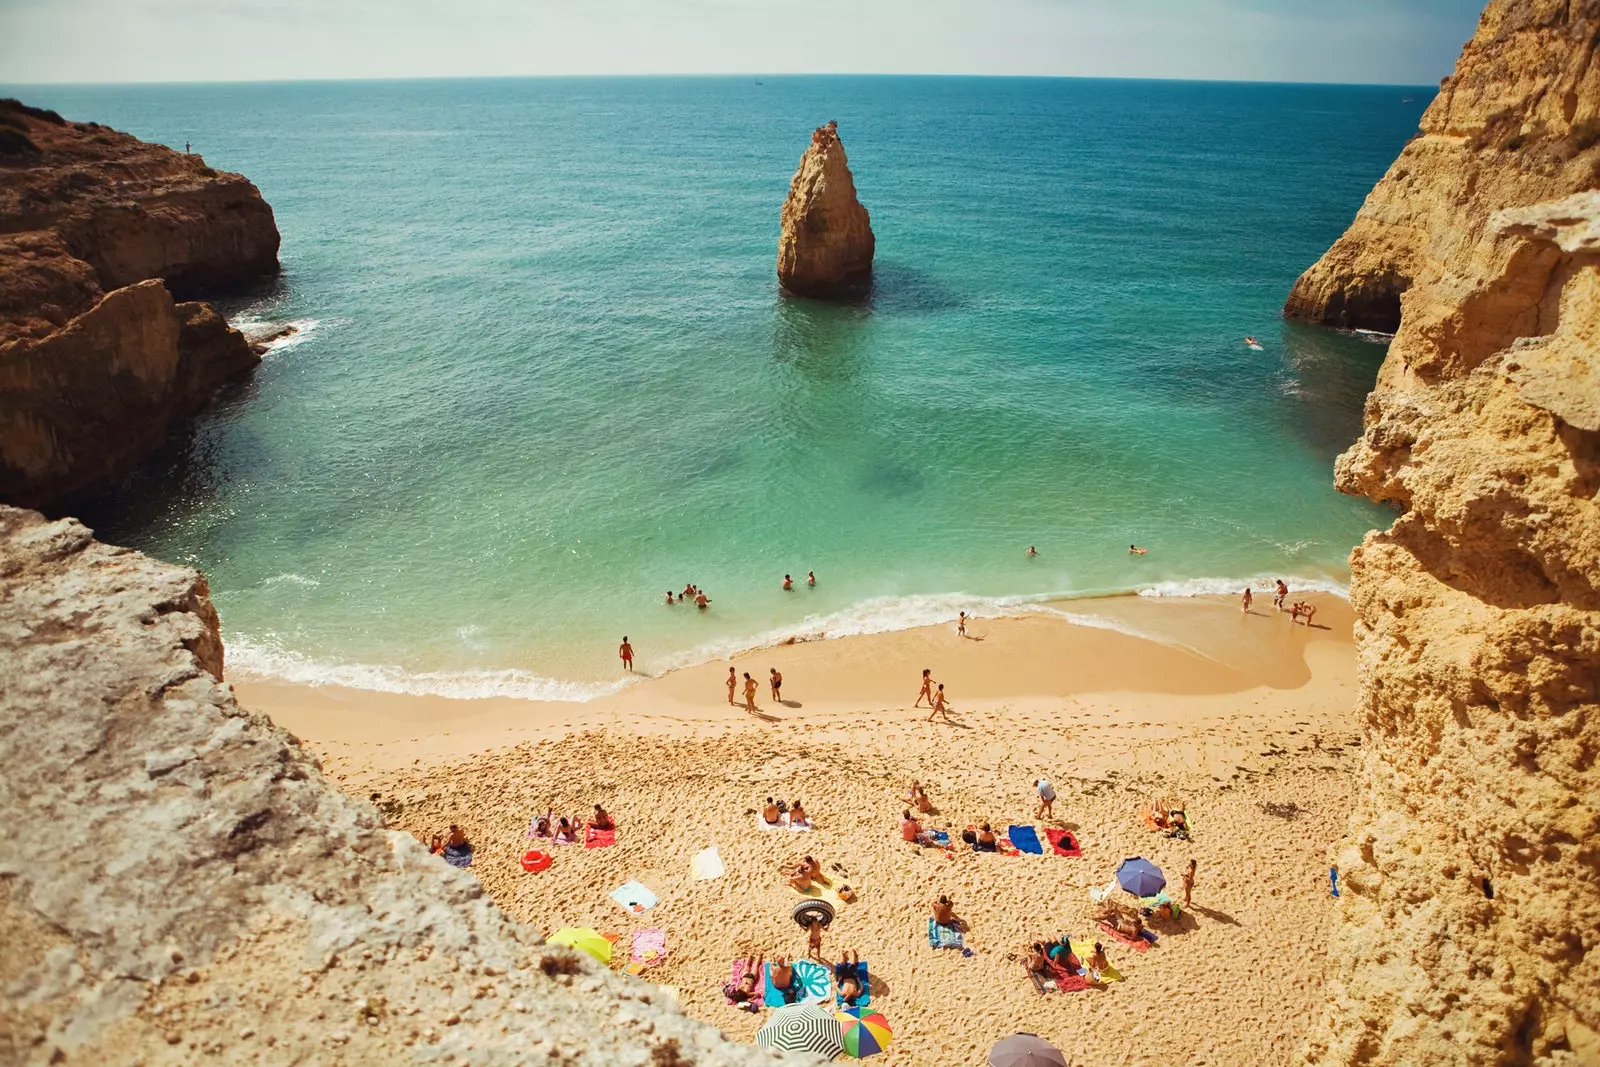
(811, 985)
(866, 988)
(944, 936)
(1026, 839)
(941, 836)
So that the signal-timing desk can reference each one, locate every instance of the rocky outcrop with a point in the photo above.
(1471, 905)
(96, 359)
(178, 880)
(826, 245)
(1516, 124)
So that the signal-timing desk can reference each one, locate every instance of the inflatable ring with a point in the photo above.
(535, 860)
(813, 911)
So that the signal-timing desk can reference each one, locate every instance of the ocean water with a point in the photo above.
(545, 374)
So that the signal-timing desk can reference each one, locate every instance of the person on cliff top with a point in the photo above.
(626, 652)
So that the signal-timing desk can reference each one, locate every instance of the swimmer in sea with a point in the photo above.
(1032, 552)
(669, 597)
(811, 577)
(788, 583)
(1136, 550)
(701, 600)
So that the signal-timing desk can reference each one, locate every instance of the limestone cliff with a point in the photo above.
(1471, 906)
(97, 230)
(179, 882)
(1518, 122)
(826, 244)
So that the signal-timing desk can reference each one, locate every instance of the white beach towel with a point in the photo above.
(634, 898)
(707, 865)
(781, 824)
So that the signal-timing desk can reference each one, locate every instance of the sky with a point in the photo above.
(1407, 42)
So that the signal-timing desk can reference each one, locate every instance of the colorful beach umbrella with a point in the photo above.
(866, 1033)
(1025, 1050)
(1140, 877)
(584, 940)
(803, 1028)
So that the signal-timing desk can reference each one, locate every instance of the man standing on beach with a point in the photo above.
(1047, 797)
(626, 652)
(1277, 597)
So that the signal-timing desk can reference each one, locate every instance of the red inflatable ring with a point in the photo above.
(535, 860)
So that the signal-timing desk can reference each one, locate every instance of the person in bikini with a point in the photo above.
(566, 832)
(797, 815)
(750, 688)
(927, 689)
(743, 992)
(602, 819)
(847, 973)
(811, 578)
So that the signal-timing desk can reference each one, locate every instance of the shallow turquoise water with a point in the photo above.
(547, 373)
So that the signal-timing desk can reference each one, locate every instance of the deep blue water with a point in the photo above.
(547, 373)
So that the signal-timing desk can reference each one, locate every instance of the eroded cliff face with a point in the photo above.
(826, 244)
(97, 230)
(1517, 123)
(178, 880)
(1471, 906)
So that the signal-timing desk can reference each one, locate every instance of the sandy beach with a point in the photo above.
(1245, 721)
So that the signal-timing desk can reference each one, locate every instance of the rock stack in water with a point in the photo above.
(827, 244)
(99, 231)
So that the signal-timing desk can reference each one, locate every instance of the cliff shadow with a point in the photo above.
(1327, 375)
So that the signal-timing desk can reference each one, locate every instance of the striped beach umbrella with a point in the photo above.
(803, 1028)
(866, 1033)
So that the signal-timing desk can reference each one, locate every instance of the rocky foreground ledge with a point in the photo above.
(99, 232)
(177, 878)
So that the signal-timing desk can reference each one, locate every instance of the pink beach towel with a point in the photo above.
(649, 946)
(734, 978)
(1063, 843)
(599, 838)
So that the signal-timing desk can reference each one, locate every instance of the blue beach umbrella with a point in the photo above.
(1140, 877)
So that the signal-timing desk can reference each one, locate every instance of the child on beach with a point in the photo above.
(733, 683)
(626, 652)
(918, 797)
(961, 625)
(939, 707)
(927, 689)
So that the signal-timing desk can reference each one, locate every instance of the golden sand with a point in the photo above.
(1246, 720)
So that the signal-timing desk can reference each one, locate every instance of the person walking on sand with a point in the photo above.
(750, 688)
(733, 683)
(776, 681)
(939, 707)
(626, 652)
(1047, 797)
(1247, 600)
(1188, 883)
(1277, 597)
(814, 940)
(961, 625)
(788, 583)
(927, 689)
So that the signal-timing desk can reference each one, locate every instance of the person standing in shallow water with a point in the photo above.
(788, 583)
(626, 652)
(811, 578)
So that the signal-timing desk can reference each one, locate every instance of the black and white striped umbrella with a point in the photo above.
(803, 1028)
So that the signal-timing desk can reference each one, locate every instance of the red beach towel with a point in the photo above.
(599, 838)
(1138, 944)
(1063, 843)
(1066, 982)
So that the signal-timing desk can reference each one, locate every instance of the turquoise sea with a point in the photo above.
(545, 374)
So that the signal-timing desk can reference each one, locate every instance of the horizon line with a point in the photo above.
(701, 74)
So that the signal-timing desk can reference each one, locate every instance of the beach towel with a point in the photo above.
(634, 898)
(1063, 843)
(944, 936)
(1138, 944)
(810, 985)
(1066, 981)
(1109, 974)
(458, 855)
(942, 837)
(649, 946)
(1026, 839)
(558, 841)
(781, 824)
(707, 865)
(798, 827)
(866, 988)
(599, 838)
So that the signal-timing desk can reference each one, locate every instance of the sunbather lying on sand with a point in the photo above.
(1060, 953)
(541, 824)
(847, 973)
(745, 991)
(782, 978)
(1155, 816)
(944, 913)
(1126, 922)
(602, 819)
